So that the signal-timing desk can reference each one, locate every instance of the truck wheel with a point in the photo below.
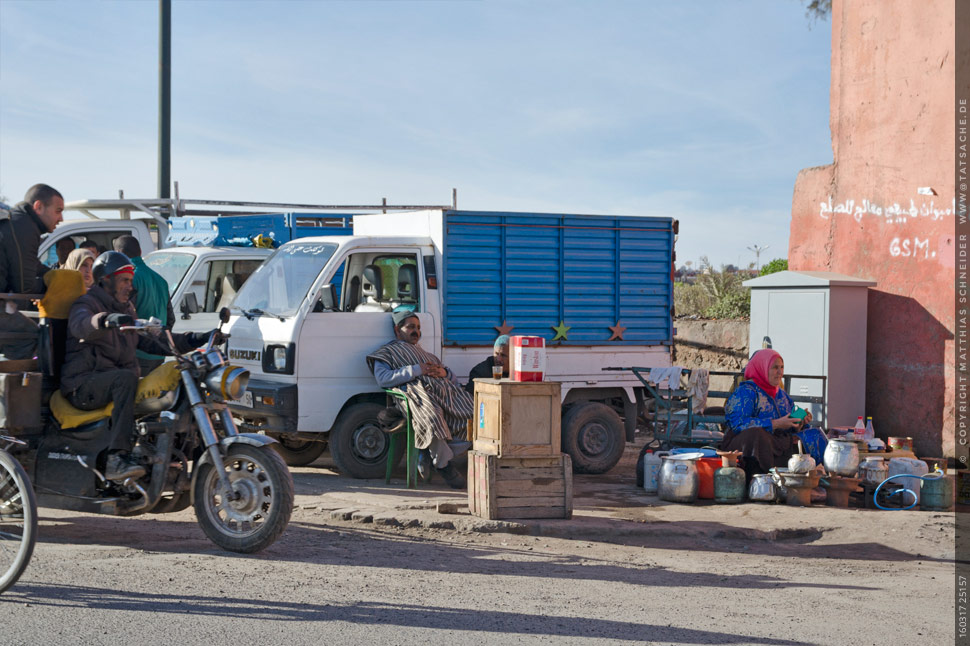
(299, 452)
(357, 443)
(592, 435)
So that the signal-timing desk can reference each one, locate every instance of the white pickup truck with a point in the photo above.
(598, 288)
(203, 280)
(203, 248)
(101, 232)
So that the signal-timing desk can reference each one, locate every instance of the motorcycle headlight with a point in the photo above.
(229, 382)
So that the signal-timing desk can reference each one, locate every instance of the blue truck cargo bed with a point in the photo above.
(535, 271)
(239, 230)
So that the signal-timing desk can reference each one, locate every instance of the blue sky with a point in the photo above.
(704, 111)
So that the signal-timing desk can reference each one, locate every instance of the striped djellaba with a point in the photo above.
(439, 407)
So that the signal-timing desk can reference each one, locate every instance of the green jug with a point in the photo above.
(936, 492)
(729, 481)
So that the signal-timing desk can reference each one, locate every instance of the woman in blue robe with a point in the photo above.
(759, 418)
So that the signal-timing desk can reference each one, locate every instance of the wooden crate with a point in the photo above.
(517, 419)
(501, 488)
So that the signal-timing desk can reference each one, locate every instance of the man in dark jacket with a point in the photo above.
(483, 370)
(100, 365)
(20, 270)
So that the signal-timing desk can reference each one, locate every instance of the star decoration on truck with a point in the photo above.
(561, 331)
(504, 328)
(617, 331)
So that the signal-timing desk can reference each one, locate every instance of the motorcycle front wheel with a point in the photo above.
(262, 510)
(18, 520)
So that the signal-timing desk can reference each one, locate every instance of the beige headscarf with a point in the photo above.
(76, 258)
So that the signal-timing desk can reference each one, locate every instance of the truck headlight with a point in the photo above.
(279, 358)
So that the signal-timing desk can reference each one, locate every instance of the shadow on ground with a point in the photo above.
(377, 614)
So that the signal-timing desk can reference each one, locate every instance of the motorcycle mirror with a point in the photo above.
(224, 315)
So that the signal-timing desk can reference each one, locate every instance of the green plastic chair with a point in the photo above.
(412, 451)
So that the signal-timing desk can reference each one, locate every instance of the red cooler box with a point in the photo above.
(528, 358)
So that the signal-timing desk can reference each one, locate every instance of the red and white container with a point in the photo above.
(528, 358)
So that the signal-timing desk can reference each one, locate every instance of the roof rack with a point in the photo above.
(163, 208)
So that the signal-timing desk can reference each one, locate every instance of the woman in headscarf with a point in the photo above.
(759, 418)
(82, 260)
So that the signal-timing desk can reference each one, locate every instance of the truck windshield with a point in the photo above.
(281, 283)
(172, 265)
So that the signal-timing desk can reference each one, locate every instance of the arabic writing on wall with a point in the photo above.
(894, 214)
(915, 247)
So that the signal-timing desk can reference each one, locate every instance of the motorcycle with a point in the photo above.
(186, 439)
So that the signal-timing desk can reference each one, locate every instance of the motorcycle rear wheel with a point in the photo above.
(18, 520)
(259, 516)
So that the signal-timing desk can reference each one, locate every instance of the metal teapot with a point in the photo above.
(763, 488)
(841, 457)
(801, 462)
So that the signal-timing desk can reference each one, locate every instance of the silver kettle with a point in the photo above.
(762, 488)
(841, 457)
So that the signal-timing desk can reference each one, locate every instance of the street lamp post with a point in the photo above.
(164, 96)
(757, 249)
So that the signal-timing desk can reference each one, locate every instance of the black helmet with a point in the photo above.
(109, 263)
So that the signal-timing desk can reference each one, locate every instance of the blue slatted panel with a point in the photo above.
(589, 271)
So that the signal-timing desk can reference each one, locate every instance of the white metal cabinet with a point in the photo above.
(817, 321)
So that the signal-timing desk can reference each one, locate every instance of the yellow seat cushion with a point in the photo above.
(162, 379)
(69, 417)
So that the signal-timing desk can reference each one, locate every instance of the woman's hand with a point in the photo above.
(784, 423)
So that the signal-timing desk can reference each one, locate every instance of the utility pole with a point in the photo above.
(164, 97)
(757, 254)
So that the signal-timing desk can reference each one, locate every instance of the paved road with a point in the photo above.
(623, 570)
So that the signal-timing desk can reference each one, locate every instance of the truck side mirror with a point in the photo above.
(326, 299)
(190, 305)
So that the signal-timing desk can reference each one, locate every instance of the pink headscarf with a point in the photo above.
(757, 370)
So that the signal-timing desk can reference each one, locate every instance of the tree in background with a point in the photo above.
(818, 9)
(776, 265)
(715, 294)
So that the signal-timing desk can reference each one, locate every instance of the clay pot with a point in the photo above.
(838, 490)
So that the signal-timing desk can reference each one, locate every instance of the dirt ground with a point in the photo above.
(365, 562)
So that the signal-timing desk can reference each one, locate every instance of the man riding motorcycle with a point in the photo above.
(100, 365)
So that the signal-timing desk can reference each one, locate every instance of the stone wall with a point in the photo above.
(712, 344)
(884, 209)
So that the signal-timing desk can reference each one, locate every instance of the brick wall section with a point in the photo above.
(891, 117)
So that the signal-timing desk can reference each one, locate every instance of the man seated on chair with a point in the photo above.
(440, 409)
(100, 366)
(500, 357)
